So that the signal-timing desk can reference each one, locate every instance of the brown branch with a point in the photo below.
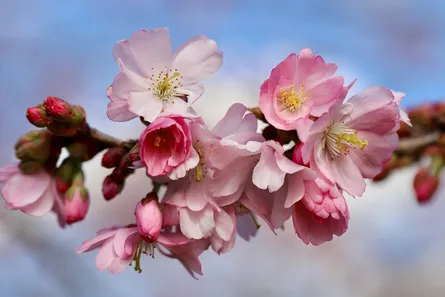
(409, 145)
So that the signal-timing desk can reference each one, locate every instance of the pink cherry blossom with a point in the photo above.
(398, 96)
(353, 140)
(275, 184)
(195, 193)
(320, 214)
(166, 147)
(154, 80)
(120, 246)
(299, 86)
(34, 194)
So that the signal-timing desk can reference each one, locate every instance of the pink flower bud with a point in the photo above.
(111, 188)
(149, 218)
(425, 185)
(76, 203)
(113, 157)
(57, 108)
(37, 116)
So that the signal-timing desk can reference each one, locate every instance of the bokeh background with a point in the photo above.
(393, 246)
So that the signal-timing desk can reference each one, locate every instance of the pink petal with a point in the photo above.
(196, 224)
(267, 174)
(96, 242)
(181, 170)
(6, 172)
(347, 175)
(295, 190)
(120, 239)
(196, 195)
(151, 49)
(24, 189)
(224, 225)
(41, 206)
(117, 111)
(327, 91)
(118, 265)
(236, 121)
(172, 239)
(145, 104)
(197, 59)
(193, 91)
(106, 255)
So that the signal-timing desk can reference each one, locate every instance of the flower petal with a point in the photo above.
(197, 59)
(145, 104)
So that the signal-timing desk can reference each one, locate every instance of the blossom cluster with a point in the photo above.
(220, 181)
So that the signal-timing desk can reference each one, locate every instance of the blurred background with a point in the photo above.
(63, 48)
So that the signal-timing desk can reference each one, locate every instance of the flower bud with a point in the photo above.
(37, 116)
(64, 119)
(34, 145)
(77, 201)
(113, 157)
(149, 217)
(111, 187)
(66, 172)
(58, 109)
(425, 185)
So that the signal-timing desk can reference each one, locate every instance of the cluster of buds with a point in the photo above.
(121, 159)
(60, 117)
(424, 140)
(218, 181)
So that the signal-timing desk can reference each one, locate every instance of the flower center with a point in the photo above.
(157, 141)
(164, 85)
(200, 171)
(143, 248)
(339, 139)
(292, 99)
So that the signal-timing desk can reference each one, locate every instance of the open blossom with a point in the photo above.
(199, 209)
(299, 86)
(276, 184)
(121, 246)
(154, 80)
(34, 194)
(165, 147)
(353, 140)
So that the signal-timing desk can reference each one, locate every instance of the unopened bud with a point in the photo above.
(111, 188)
(34, 145)
(425, 185)
(64, 119)
(149, 218)
(66, 172)
(113, 157)
(58, 109)
(77, 201)
(37, 116)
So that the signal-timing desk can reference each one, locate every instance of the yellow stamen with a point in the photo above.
(292, 99)
(352, 139)
(199, 171)
(157, 141)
